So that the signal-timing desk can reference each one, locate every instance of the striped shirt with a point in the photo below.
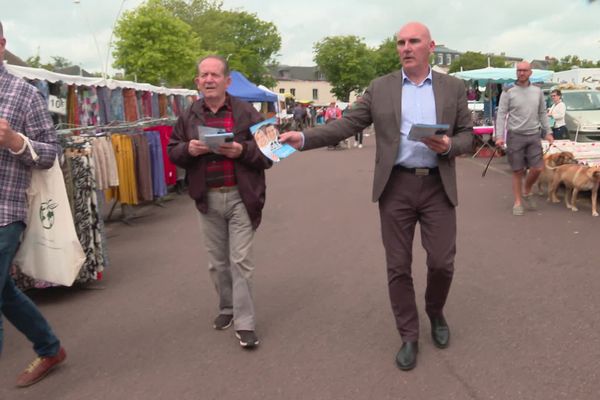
(26, 112)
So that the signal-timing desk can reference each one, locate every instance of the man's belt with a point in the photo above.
(222, 189)
(418, 171)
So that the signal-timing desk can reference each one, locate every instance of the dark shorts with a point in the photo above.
(524, 151)
(560, 133)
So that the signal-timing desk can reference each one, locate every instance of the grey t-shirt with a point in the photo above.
(526, 111)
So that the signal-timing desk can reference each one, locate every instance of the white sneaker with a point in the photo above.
(355, 144)
(360, 146)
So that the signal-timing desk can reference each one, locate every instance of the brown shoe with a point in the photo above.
(39, 368)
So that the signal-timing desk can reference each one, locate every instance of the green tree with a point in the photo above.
(347, 63)
(156, 47)
(60, 62)
(34, 61)
(248, 43)
(570, 61)
(57, 62)
(475, 60)
(386, 58)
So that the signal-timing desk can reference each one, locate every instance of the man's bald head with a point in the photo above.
(414, 46)
(416, 28)
(523, 73)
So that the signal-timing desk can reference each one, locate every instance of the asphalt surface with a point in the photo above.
(522, 309)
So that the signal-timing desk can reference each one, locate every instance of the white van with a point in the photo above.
(583, 114)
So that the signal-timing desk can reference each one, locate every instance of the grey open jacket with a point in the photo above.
(382, 106)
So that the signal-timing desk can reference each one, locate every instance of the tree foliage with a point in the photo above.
(57, 62)
(386, 58)
(248, 43)
(155, 46)
(475, 60)
(568, 62)
(347, 63)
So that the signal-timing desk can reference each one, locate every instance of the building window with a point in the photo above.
(448, 59)
(293, 92)
(282, 90)
(440, 59)
(315, 94)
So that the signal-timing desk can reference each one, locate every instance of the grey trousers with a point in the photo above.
(228, 236)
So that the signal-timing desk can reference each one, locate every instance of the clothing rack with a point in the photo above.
(114, 126)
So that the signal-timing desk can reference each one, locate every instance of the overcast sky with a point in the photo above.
(530, 29)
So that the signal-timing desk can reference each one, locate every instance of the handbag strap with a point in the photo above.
(33, 153)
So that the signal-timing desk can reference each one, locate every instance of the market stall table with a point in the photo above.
(483, 135)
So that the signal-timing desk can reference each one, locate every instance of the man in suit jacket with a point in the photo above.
(414, 181)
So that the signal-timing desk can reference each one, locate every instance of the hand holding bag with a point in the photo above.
(50, 250)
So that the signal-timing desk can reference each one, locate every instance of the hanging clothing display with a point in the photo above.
(107, 175)
(159, 184)
(89, 109)
(72, 106)
(80, 182)
(162, 105)
(126, 192)
(116, 105)
(143, 167)
(155, 107)
(147, 104)
(87, 215)
(165, 132)
(130, 105)
(129, 167)
(104, 113)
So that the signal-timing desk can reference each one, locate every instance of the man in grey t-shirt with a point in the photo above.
(522, 115)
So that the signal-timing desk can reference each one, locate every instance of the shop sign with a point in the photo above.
(57, 105)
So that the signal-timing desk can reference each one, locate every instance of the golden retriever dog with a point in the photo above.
(551, 161)
(576, 178)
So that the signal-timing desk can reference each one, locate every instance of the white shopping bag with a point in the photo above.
(50, 250)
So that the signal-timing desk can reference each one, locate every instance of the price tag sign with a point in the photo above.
(57, 105)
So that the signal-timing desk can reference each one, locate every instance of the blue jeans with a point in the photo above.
(17, 307)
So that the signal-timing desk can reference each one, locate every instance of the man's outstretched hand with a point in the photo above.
(293, 138)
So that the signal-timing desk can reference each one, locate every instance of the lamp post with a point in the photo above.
(77, 2)
(104, 64)
(112, 31)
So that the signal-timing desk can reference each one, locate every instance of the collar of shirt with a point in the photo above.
(226, 105)
(3, 68)
(406, 79)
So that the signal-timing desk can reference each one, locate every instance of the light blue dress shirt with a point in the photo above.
(418, 107)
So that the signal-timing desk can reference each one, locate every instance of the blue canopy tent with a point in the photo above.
(242, 88)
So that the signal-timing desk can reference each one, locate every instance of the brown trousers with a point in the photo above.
(406, 200)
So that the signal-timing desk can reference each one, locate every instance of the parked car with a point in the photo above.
(583, 114)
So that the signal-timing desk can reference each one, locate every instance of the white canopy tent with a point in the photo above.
(53, 77)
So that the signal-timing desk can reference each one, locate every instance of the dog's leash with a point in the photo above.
(548, 149)
(489, 161)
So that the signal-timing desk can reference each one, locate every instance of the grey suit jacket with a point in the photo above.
(382, 106)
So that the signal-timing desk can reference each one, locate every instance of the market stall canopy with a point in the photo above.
(280, 96)
(53, 77)
(500, 75)
(242, 88)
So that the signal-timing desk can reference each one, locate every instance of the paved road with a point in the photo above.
(522, 309)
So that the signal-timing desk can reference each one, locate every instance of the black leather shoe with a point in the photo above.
(440, 332)
(406, 359)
